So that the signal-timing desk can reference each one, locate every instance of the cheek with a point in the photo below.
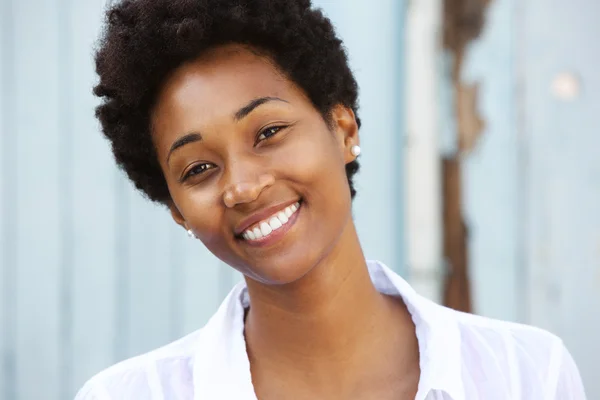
(204, 211)
(316, 163)
(211, 231)
(201, 210)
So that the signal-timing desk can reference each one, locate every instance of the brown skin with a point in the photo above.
(317, 327)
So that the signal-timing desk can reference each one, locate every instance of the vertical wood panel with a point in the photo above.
(200, 291)
(423, 204)
(150, 272)
(492, 188)
(65, 199)
(7, 205)
(3, 189)
(375, 53)
(534, 182)
(121, 279)
(4, 301)
(176, 282)
(94, 212)
(563, 214)
(38, 176)
(375, 59)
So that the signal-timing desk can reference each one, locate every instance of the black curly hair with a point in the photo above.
(145, 40)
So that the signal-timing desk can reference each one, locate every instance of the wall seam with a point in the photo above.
(523, 279)
(122, 276)
(65, 140)
(9, 211)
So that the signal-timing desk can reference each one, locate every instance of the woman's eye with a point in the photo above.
(197, 170)
(269, 132)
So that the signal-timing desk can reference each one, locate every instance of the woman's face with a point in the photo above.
(253, 169)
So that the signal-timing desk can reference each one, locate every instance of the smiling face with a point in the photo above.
(252, 167)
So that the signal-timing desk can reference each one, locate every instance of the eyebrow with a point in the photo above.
(238, 116)
(182, 141)
(248, 108)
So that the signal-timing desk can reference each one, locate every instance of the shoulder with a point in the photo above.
(142, 376)
(528, 346)
(497, 332)
(532, 361)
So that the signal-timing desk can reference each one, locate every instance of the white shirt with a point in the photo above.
(462, 356)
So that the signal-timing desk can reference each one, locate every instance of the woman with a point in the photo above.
(241, 118)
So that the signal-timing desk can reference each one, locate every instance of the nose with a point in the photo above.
(246, 188)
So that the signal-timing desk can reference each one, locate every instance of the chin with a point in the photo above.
(284, 270)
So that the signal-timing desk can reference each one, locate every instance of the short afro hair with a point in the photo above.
(146, 40)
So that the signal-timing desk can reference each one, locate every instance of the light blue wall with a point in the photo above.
(90, 273)
(375, 41)
(533, 184)
(563, 178)
(492, 191)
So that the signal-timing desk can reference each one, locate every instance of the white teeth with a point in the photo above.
(282, 217)
(275, 222)
(265, 228)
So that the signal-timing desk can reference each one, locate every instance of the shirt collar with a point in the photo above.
(222, 369)
(437, 331)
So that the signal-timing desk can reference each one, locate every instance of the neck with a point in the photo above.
(329, 320)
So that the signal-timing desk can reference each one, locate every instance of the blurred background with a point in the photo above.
(480, 183)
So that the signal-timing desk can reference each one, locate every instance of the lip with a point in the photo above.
(261, 215)
(276, 235)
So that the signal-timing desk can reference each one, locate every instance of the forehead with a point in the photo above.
(219, 82)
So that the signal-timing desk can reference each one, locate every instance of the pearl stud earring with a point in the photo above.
(355, 150)
(191, 234)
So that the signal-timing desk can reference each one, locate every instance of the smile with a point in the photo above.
(266, 227)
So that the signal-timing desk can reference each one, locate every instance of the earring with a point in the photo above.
(355, 150)
(191, 234)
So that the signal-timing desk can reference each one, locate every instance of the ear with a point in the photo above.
(345, 129)
(176, 214)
